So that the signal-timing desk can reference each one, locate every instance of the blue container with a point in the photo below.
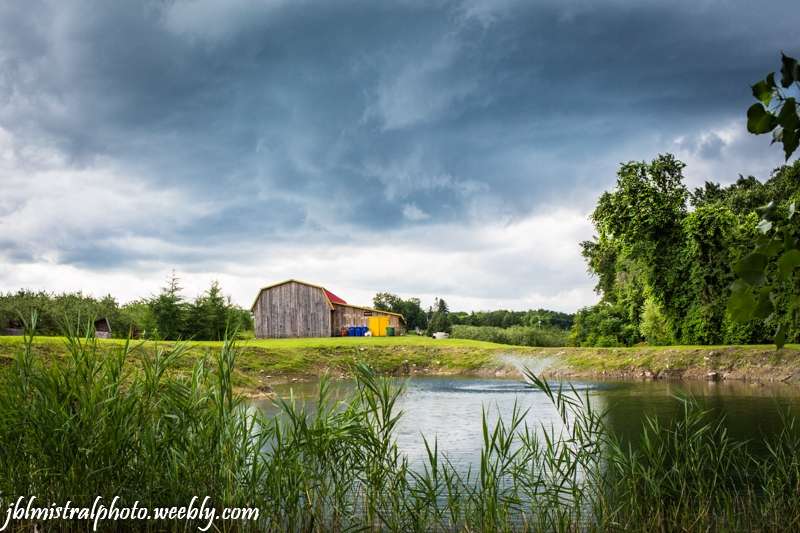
(362, 330)
(351, 331)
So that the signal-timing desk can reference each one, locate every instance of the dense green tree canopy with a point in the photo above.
(664, 259)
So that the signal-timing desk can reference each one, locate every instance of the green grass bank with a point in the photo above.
(265, 362)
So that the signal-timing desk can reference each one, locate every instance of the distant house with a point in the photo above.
(102, 328)
(295, 308)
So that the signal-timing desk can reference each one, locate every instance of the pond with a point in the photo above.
(449, 408)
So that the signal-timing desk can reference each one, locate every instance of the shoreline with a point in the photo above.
(262, 364)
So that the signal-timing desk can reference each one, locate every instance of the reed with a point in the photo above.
(92, 425)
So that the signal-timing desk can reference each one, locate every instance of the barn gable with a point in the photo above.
(292, 309)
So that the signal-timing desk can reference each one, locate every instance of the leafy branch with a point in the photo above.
(763, 273)
(776, 111)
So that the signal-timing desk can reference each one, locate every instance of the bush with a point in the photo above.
(603, 325)
(654, 326)
(517, 335)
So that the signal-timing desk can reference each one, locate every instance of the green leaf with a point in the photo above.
(780, 337)
(790, 124)
(790, 140)
(770, 248)
(764, 306)
(788, 262)
(741, 302)
(763, 90)
(759, 120)
(792, 208)
(764, 226)
(790, 242)
(788, 70)
(751, 268)
(768, 208)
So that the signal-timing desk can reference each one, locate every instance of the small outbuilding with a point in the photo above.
(102, 328)
(295, 308)
(13, 327)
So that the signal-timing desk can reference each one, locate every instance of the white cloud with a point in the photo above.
(722, 151)
(534, 262)
(48, 205)
(414, 213)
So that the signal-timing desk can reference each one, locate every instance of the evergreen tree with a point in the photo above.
(440, 319)
(169, 311)
(213, 314)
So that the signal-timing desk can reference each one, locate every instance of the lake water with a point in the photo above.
(449, 408)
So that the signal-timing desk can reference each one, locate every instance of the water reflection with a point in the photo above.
(749, 411)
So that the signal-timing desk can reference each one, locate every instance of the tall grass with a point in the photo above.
(133, 427)
(517, 335)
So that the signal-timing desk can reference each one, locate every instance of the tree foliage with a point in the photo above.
(664, 259)
(163, 316)
(504, 318)
(55, 310)
(416, 317)
(411, 309)
(439, 318)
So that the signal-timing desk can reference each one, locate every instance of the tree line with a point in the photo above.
(166, 315)
(438, 316)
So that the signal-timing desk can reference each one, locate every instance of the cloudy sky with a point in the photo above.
(429, 148)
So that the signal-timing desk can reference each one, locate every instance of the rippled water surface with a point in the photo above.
(449, 408)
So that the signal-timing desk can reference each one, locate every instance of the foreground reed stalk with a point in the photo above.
(131, 426)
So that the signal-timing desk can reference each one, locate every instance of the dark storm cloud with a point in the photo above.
(300, 116)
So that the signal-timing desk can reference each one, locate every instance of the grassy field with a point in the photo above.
(262, 362)
(268, 361)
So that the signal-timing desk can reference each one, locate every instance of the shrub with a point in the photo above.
(517, 335)
(654, 326)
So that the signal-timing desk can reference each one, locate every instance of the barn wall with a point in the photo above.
(346, 316)
(292, 310)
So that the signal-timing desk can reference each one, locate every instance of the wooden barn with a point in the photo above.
(295, 308)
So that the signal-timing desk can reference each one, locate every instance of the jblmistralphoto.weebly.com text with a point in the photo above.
(199, 510)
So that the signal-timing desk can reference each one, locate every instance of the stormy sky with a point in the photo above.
(427, 148)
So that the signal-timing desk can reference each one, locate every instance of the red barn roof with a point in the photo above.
(333, 298)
